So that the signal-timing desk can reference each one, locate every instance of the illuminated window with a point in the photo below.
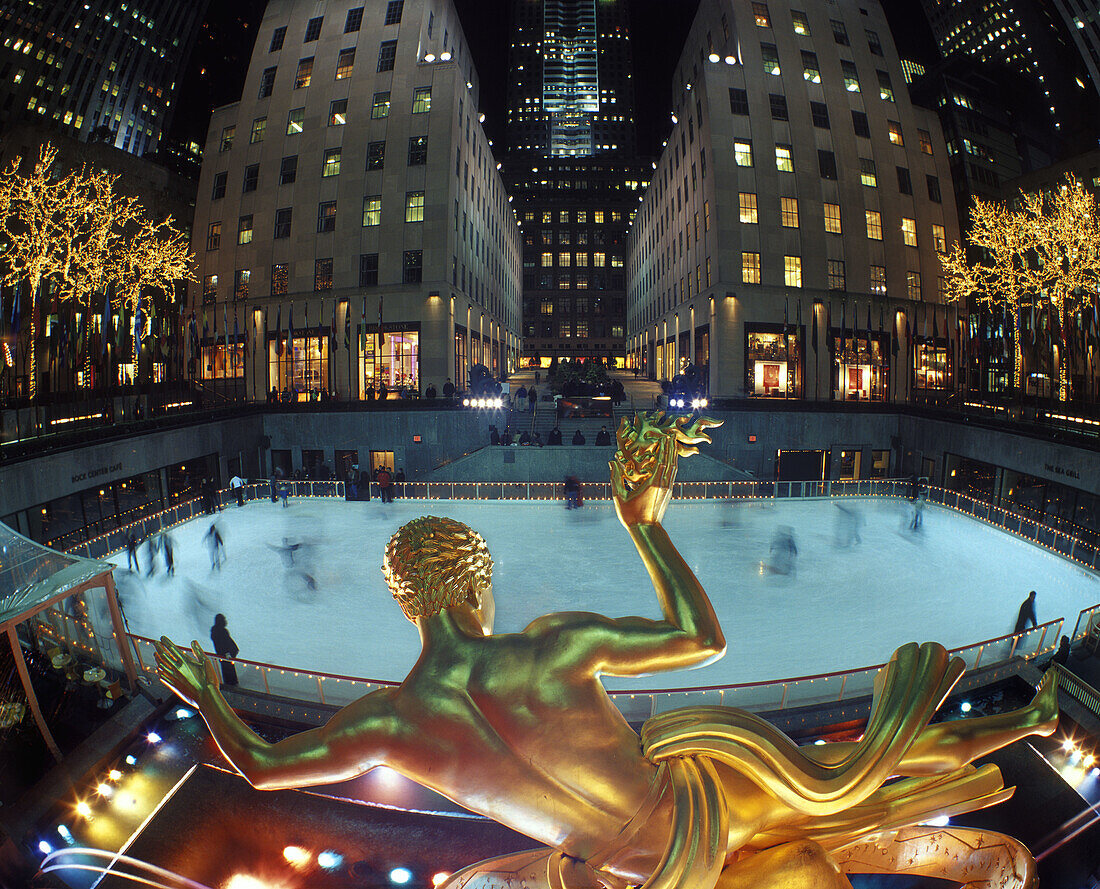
(851, 76)
(801, 23)
(835, 271)
(331, 166)
(750, 268)
(372, 209)
(387, 53)
(240, 285)
(597, 216)
(893, 129)
(563, 217)
(909, 231)
(580, 259)
(748, 208)
(412, 267)
(788, 212)
(547, 260)
(760, 13)
(422, 100)
(784, 161)
(939, 238)
(305, 73)
(259, 125)
(925, 141)
(322, 274)
(706, 216)
(546, 307)
(811, 71)
(338, 113)
(209, 288)
(227, 138)
(244, 229)
(874, 225)
(326, 216)
(599, 259)
(414, 206)
(313, 29)
(832, 218)
(214, 236)
(564, 260)
(742, 153)
(912, 285)
(885, 88)
(771, 58)
(867, 173)
(345, 63)
(381, 106)
(792, 271)
(280, 279)
(295, 121)
(878, 279)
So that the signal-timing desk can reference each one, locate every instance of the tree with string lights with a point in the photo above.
(1042, 255)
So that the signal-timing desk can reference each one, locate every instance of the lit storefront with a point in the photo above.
(303, 365)
(773, 362)
(930, 370)
(221, 362)
(861, 368)
(394, 361)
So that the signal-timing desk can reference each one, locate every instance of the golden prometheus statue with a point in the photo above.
(517, 727)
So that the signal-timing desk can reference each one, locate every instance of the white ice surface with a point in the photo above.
(957, 581)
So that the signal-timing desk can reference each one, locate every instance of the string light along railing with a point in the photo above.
(288, 686)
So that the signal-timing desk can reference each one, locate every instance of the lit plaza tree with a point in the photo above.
(75, 233)
(1042, 256)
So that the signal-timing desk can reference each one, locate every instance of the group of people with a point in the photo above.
(292, 395)
(356, 487)
(528, 395)
(161, 542)
(534, 439)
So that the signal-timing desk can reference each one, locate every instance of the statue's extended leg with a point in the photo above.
(797, 865)
(963, 855)
(947, 746)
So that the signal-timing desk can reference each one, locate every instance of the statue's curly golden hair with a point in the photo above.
(432, 563)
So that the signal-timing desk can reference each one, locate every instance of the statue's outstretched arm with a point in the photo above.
(347, 745)
(642, 475)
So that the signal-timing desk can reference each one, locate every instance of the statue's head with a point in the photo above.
(435, 563)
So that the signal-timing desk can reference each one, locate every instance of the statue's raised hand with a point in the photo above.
(189, 677)
(644, 469)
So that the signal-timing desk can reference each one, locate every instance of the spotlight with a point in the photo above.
(45, 848)
(714, 57)
(114, 774)
(400, 875)
(445, 56)
(83, 810)
(297, 857)
(965, 706)
(131, 760)
(153, 738)
(465, 402)
(439, 878)
(329, 860)
(184, 713)
(430, 57)
(105, 790)
(820, 742)
(730, 60)
(64, 833)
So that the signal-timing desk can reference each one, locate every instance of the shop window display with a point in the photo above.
(773, 362)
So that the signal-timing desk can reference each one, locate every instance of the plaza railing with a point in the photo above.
(329, 689)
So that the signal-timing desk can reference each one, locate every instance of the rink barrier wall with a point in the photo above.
(637, 705)
(772, 695)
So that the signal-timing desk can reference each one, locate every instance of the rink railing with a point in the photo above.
(640, 704)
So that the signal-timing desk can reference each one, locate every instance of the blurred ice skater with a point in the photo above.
(216, 545)
(783, 551)
(849, 521)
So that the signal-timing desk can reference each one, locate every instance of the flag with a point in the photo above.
(935, 328)
(843, 324)
(347, 325)
(895, 335)
(335, 345)
(225, 323)
(205, 325)
(868, 326)
(279, 332)
(63, 342)
(105, 322)
(15, 319)
(381, 335)
(290, 330)
(236, 337)
(785, 315)
(813, 330)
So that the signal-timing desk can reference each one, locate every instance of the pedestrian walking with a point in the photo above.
(532, 398)
(224, 646)
(236, 485)
(385, 485)
(1027, 613)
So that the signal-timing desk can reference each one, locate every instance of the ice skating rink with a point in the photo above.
(323, 605)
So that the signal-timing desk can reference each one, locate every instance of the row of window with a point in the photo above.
(412, 269)
(835, 272)
(801, 26)
(352, 23)
(811, 71)
(337, 117)
(789, 218)
(330, 165)
(568, 217)
(326, 219)
(581, 260)
(573, 280)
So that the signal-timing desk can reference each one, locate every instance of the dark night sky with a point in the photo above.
(659, 28)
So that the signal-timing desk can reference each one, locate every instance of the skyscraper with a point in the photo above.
(573, 171)
(101, 69)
